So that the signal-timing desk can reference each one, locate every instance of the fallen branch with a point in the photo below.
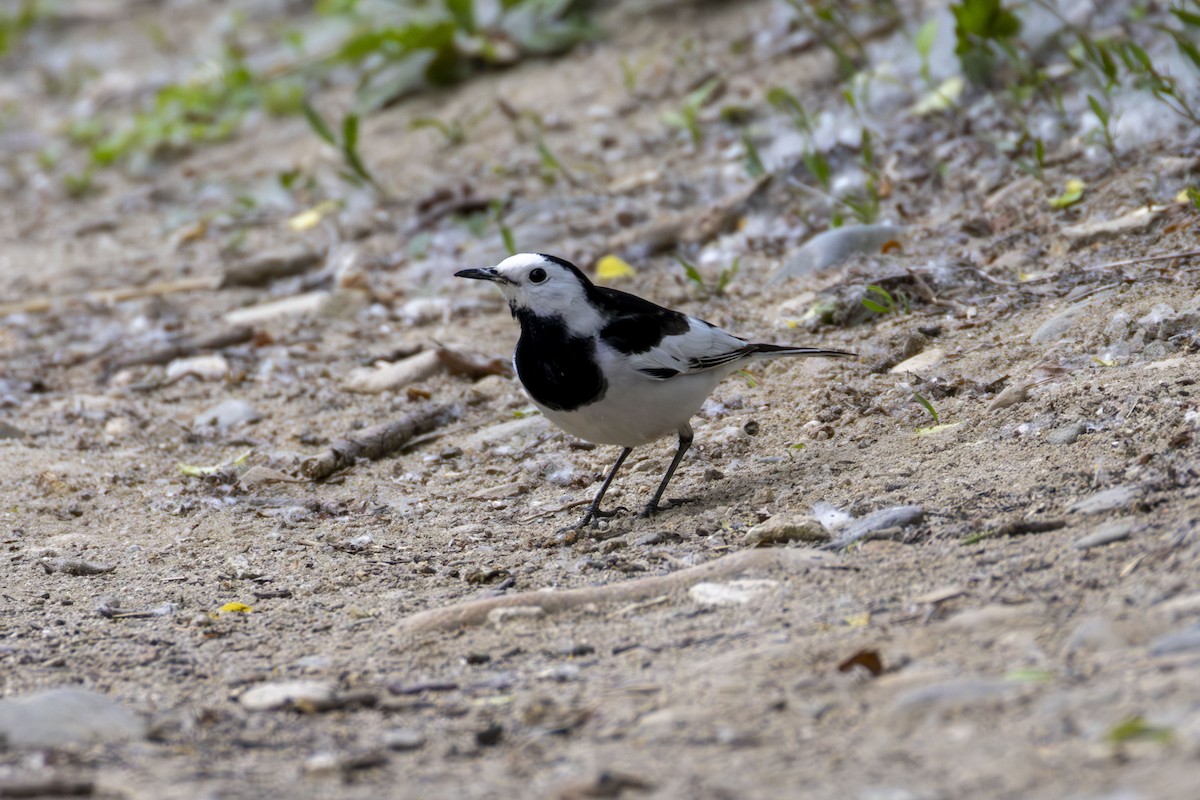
(188, 347)
(39, 305)
(1145, 260)
(475, 612)
(375, 442)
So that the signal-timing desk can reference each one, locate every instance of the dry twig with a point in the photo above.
(475, 612)
(375, 442)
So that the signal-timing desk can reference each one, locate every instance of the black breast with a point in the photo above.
(557, 369)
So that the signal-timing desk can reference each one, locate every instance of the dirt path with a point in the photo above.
(1029, 631)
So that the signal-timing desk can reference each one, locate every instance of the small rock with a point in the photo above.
(921, 361)
(389, 377)
(1093, 634)
(1135, 221)
(1068, 434)
(403, 739)
(784, 528)
(66, 716)
(269, 696)
(1115, 531)
(10, 431)
(211, 367)
(1184, 641)
(951, 695)
(893, 517)
(226, 415)
(1055, 328)
(1178, 607)
(1107, 500)
(995, 616)
(308, 303)
(732, 593)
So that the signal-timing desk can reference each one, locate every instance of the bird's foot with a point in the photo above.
(592, 518)
(652, 509)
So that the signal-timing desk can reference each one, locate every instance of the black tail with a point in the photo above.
(784, 350)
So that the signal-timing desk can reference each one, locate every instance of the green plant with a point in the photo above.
(928, 406)
(881, 301)
(814, 161)
(1104, 115)
(983, 30)
(347, 144)
(13, 26)
(717, 289)
(688, 116)
(206, 109)
(754, 164)
(923, 42)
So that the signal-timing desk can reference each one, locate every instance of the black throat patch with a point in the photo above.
(557, 369)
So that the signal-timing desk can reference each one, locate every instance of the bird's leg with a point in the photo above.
(594, 509)
(685, 441)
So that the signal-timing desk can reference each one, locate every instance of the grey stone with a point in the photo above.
(1184, 641)
(268, 696)
(894, 517)
(227, 414)
(1107, 500)
(10, 431)
(66, 716)
(1068, 434)
(1115, 531)
(955, 694)
(403, 739)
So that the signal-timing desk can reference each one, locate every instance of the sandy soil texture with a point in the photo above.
(858, 600)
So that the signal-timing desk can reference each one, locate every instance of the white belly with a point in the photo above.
(637, 409)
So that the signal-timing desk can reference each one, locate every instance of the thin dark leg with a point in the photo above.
(685, 441)
(594, 509)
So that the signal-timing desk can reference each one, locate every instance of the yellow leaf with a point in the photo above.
(193, 471)
(945, 426)
(610, 268)
(859, 620)
(941, 98)
(235, 607)
(1071, 195)
(307, 220)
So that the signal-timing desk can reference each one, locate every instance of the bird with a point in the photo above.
(613, 368)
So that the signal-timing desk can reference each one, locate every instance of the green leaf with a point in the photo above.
(317, 123)
(754, 165)
(1187, 17)
(689, 269)
(463, 13)
(925, 38)
(1098, 109)
(1137, 729)
(928, 406)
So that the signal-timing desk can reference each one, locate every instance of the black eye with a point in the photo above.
(537, 275)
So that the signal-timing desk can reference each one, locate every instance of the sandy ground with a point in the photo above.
(1022, 625)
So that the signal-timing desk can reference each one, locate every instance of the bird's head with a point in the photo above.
(545, 286)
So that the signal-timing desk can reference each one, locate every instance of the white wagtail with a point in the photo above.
(610, 367)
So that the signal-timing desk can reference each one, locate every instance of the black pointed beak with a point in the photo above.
(482, 274)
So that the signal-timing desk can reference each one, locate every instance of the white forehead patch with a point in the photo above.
(520, 261)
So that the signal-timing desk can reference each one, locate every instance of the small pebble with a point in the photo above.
(1115, 531)
(1068, 434)
(1184, 641)
(732, 593)
(269, 696)
(1107, 500)
(227, 414)
(66, 716)
(403, 739)
(784, 528)
(10, 431)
